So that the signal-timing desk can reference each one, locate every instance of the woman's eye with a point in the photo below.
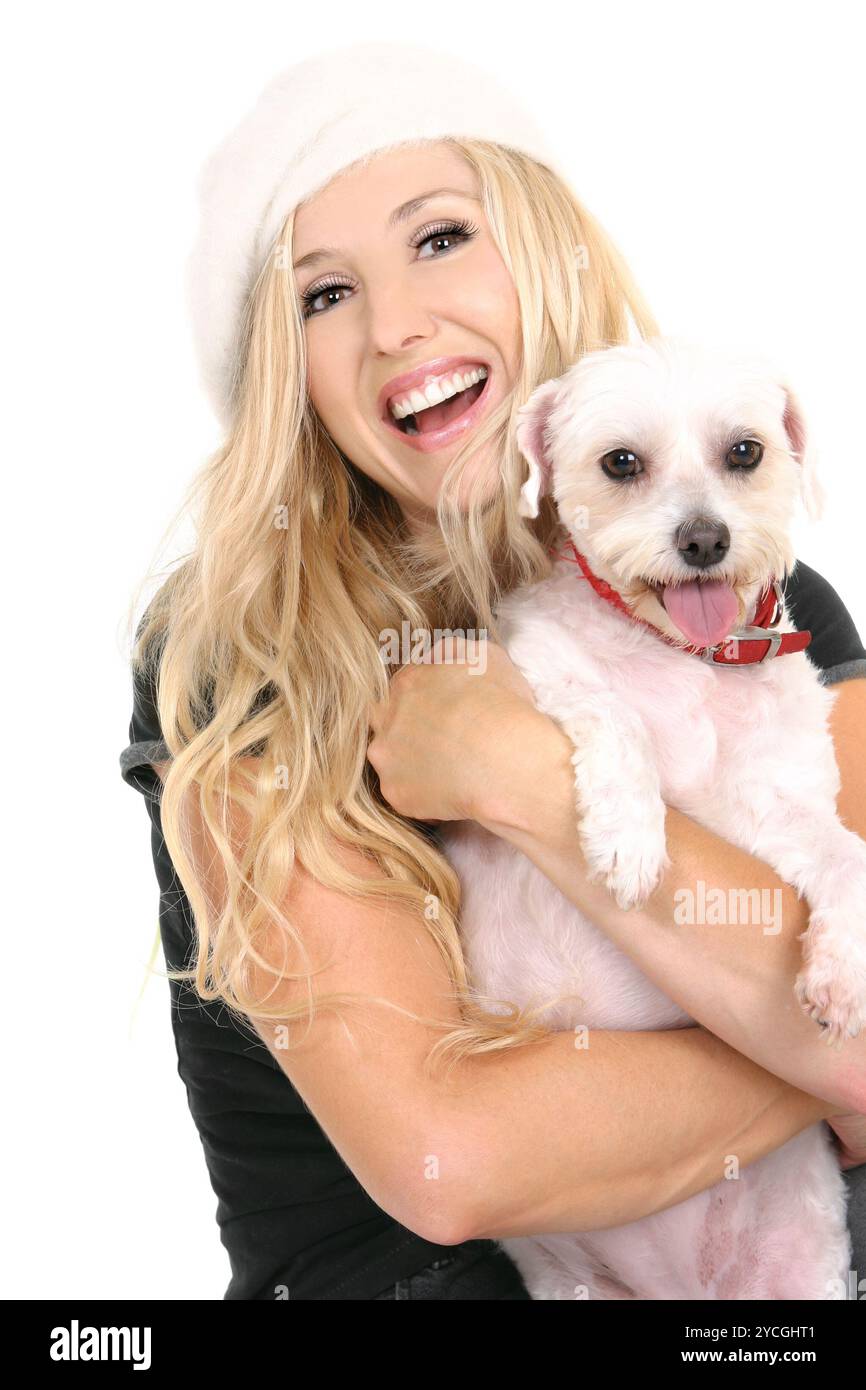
(451, 233)
(746, 454)
(309, 297)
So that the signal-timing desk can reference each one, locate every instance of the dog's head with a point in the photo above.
(676, 471)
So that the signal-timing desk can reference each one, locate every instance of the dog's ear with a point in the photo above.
(811, 491)
(532, 421)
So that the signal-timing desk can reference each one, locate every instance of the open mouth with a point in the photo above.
(704, 610)
(436, 417)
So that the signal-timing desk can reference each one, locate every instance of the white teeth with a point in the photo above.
(435, 391)
(435, 395)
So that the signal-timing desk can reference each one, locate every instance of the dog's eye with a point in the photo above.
(747, 454)
(621, 463)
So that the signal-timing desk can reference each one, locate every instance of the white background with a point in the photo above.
(722, 148)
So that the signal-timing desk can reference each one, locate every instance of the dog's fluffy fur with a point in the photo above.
(746, 751)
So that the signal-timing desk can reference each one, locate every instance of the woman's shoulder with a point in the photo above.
(836, 647)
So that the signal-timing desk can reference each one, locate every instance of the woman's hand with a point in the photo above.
(454, 733)
(850, 1130)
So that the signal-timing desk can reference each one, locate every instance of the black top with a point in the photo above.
(291, 1214)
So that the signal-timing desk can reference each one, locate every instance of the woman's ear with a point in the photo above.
(532, 421)
(811, 490)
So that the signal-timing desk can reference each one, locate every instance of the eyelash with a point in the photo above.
(465, 230)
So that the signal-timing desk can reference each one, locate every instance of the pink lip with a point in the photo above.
(435, 439)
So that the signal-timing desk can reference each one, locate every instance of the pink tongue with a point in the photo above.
(703, 609)
(436, 416)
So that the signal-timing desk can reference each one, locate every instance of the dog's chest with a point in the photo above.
(718, 734)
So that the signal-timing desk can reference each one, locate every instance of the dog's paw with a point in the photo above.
(628, 857)
(831, 987)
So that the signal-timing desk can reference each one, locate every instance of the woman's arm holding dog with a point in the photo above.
(738, 979)
(546, 1137)
(455, 745)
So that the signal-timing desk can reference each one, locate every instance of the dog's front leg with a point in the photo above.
(621, 814)
(826, 862)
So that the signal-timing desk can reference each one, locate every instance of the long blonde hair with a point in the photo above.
(266, 639)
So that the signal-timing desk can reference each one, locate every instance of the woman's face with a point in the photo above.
(405, 280)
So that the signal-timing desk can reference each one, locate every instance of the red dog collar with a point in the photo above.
(744, 647)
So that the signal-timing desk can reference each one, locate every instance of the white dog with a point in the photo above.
(676, 473)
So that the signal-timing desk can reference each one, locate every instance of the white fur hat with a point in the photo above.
(309, 123)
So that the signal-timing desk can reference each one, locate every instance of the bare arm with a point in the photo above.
(566, 1139)
(737, 981)
(547, 1137)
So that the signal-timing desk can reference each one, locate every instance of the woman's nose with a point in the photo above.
(396, 320)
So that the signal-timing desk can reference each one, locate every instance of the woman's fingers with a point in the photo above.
(441, 737)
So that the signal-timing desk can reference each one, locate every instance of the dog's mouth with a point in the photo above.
(704, 610)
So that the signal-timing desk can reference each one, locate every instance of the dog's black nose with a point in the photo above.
(702, 543)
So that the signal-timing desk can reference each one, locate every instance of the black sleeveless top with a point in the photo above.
(291, 1214)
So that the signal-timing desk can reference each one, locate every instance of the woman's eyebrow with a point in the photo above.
(406, 210)
(400, 214)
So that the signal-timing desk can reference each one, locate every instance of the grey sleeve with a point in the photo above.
(146, 744)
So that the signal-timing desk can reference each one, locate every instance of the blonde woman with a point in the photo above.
(371, 1129)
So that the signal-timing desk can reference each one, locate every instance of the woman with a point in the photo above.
(361, 1116)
